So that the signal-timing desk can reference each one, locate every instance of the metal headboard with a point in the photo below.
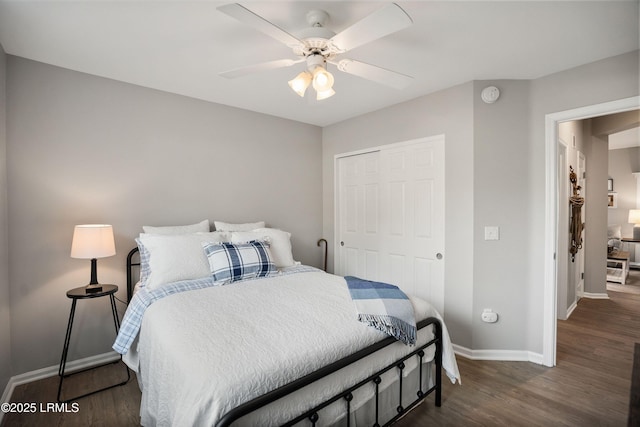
(324, 259)
(130, 265)
(134, 251)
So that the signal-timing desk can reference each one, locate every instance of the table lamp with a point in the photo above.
(93, 241)
(634, 218)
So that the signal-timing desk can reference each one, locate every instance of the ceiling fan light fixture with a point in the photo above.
(320, 95)
(300, 83)
(322, 79)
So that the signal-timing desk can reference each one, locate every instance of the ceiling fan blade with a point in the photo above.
(246, 16)
(380, 23)
(263, 66)
(374, 73)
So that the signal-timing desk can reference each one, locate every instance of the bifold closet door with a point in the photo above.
(390, 217)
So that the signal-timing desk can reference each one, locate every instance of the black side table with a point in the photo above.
(75, 295)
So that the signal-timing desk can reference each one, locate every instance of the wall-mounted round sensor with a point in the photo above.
(490, 94)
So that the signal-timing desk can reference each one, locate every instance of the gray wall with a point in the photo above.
(501, 177)
(5, 331)
(595, 231)
(83, 149)
(495, 169)
(448, 112)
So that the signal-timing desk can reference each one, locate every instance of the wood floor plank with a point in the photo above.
(590, 386)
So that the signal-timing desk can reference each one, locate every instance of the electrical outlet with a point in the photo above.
(489, 316)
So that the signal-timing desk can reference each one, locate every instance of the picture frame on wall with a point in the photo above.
(609, 184)
(612, 200)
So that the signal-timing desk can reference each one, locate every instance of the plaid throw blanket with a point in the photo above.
(385, 307)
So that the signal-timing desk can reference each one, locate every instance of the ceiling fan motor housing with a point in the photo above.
(316, 60)
(316, 38)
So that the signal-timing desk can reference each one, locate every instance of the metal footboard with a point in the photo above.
(313, 415)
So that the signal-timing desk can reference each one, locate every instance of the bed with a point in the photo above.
(285, 349)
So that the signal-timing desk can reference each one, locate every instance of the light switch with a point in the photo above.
(492, 233)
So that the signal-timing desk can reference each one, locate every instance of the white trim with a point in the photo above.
(595, 296)
(550, 315)
(571, 308)
(52, 371)
(549, 324)
(502, 355)
(391, 145)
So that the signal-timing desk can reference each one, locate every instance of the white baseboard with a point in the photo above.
(595, 296)
(504, 355)
(74, 365)
(570, 309)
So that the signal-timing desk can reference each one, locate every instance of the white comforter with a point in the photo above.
(201, 353)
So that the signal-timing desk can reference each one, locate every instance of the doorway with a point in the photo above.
(551, 211)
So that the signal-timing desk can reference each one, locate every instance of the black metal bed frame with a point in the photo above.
(347, 395)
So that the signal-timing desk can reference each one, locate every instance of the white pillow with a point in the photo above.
(280, 243)
(177, 257)
(145, 270)
(247, 226)
(614, 232)
(201, 227)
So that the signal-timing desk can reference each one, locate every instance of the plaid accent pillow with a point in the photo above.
(231, 262)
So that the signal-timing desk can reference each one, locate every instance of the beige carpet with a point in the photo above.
(631, 286)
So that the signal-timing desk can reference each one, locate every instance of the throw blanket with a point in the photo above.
(385, 307)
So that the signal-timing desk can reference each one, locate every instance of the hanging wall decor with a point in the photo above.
(576, 225)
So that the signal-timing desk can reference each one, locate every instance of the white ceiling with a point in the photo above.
(181, 47)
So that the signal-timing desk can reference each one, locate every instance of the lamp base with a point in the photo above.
(91, 289)
(636, 232)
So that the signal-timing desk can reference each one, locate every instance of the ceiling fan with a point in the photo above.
(318, 45)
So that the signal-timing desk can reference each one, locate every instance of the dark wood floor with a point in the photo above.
(589, 386)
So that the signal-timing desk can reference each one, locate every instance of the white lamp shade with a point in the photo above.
(93, 241)
(300, 83)
(324, 94)
(634, 216)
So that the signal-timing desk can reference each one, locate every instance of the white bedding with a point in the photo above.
(201, 353)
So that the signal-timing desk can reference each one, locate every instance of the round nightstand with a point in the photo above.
(79, 294)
